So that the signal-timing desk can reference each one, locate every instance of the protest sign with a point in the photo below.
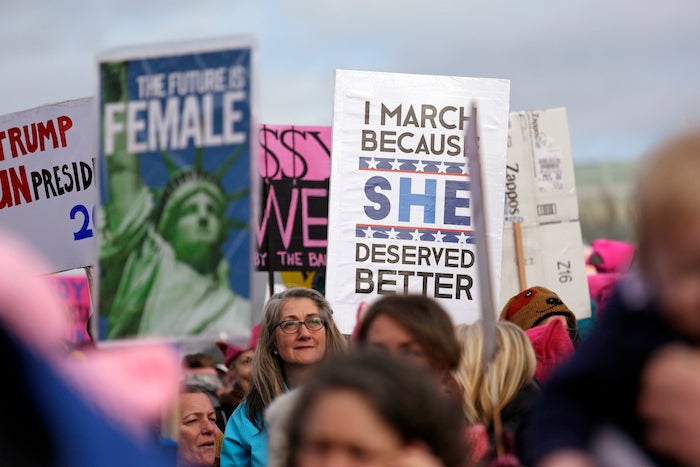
(400, 218)
(295, 167)
(48, 181)
(540, 199)
(73, 291)
(180, 189)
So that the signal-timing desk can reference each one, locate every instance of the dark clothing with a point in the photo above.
(598, 387)
(230, 400)
(515, 417)
(63, 429)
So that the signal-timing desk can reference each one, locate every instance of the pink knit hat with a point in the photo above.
(231, 351)
(552, 347)
(611, 255)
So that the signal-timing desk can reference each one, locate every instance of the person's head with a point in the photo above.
(297, 332)
(363, 407)
(199, 369)
(197, 430)
(297, 328)
(198, 360)
(239, 361)
(411, 326)
(241, 368)
(512, 368)
(668, 227)
(538, 306)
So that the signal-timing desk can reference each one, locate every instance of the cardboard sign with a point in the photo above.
(400, 216)
(295, 165)
(179, 170)
(540, 194)
(48, 180)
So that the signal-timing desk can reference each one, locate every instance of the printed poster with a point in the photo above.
(400, 214)
(540, 194)
(295, 165)
(73, 291)
(48, 180)
(177, 164)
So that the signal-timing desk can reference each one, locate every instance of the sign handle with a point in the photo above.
(520, 256)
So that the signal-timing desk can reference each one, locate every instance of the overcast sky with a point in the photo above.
(626, 71)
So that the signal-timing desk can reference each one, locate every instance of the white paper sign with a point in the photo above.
(400, 216)
(48, 180)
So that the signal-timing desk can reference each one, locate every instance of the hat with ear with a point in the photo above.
(611, 255)
(552, 347)
(231, 351)
(532, 306)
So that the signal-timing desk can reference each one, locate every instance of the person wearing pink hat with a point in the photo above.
(239, 363)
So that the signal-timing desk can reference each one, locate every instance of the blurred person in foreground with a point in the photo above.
(370, 409)
(297, 332)
(624, 398)
(97, 407)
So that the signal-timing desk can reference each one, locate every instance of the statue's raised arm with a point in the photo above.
(124, 183)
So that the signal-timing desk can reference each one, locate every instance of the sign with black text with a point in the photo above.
(400, 213)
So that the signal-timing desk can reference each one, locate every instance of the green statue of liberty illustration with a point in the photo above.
(163, 271)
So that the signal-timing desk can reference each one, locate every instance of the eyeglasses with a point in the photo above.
(314, 323)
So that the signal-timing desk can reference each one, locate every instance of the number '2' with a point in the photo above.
(84, 231)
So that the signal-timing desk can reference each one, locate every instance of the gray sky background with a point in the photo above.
(626, 71)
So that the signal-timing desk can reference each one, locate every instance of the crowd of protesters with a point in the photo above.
(409, 387)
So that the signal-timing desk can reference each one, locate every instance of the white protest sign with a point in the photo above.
(48, 180)
(400, 215)
(540, 194)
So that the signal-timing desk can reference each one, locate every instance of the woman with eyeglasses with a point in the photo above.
(297, 333)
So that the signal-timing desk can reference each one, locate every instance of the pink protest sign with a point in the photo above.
(74, 293)
(295, 169)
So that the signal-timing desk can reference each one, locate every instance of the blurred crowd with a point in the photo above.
(533, 386)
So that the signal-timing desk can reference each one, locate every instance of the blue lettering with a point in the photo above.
(384, 204)
(408, 199)
(452, 202)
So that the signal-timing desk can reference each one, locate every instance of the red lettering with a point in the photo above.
(15, 136)
(64, 124)
(14, 187)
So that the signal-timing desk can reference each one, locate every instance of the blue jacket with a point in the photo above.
(244, 444)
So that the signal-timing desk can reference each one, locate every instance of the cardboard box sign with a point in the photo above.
(540, 194)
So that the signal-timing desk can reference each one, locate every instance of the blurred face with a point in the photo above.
(344, 430)
(241, 368)
(198, 431)
(303, 347)
(675, 268)
(387, 334)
